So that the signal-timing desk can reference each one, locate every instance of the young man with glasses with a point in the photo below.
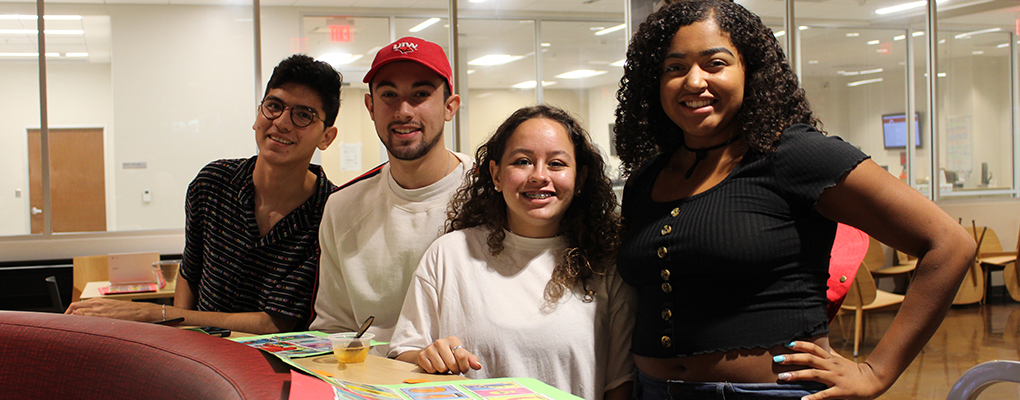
(376, 228)
(251, 235)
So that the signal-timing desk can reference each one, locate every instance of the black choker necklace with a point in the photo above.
(700, 154)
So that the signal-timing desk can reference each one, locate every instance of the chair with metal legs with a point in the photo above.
(983, 375)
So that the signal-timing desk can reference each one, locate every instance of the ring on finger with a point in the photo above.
(455, 348)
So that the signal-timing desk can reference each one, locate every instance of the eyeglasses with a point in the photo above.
(301, 116)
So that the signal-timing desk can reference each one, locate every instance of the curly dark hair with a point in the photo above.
(773, 99)
(591, 224)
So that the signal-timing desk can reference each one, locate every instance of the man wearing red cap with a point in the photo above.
(376, 228)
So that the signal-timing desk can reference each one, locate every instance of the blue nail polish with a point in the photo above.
(778, 359)
(791, 344)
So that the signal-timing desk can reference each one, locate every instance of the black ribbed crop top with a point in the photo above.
(741, 265)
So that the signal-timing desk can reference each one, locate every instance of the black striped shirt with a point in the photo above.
(238, 271)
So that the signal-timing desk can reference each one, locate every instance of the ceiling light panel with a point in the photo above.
(611, 29)
(427, 23)
(494, 59)
(580, 73)
(901, 7)
(864, 82)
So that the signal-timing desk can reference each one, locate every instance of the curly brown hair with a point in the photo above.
(773, 99)
(591, 224)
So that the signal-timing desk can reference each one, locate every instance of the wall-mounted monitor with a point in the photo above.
(894, 131)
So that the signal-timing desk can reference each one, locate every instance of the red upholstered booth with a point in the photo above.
(55, 356)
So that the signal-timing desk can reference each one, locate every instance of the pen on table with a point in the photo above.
(173, 321)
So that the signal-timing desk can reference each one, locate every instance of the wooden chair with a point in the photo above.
(1012, 278)
(972, 289)
(875, 260)
(875, 257)
(88, 269)
(865, 296)
(1004, 261)
(903, 259)
(990, 244)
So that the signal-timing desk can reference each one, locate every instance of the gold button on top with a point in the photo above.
(666, 288)
(662, 252)
(666, 230)
(666, 314)
(675, 212)
(664, 274)
(842, 279)
(667, 342)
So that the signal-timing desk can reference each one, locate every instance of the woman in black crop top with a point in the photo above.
(731, 209)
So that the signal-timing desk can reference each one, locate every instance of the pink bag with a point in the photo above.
(848, 250)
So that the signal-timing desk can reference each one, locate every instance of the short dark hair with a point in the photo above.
(316, 75)
(773, 99)
(591, 225)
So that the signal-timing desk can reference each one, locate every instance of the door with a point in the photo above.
(77, 180)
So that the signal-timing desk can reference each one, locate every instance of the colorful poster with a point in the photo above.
(443, 392)
(472, 389)
(301, 344)
(365, 391)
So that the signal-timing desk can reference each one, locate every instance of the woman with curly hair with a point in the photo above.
(730, 211)
(523, 283)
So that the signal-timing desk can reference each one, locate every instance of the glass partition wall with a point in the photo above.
(131, 111)
(864, 69)
(976, 122)
(143, 102)
(858, 88)
(19, 73)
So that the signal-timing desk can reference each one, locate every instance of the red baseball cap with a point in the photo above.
(414, 49)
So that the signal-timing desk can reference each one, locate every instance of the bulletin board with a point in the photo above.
(959, 144)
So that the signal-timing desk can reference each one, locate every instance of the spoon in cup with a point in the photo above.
(361, 331)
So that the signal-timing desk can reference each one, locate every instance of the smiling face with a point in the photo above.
(538, 176)
(408, 108)
(702, 83)
(279, 140)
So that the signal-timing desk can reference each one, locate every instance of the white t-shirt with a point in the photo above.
(497, 308)
(372, 235)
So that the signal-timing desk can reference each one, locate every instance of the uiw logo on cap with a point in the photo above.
(405, 47)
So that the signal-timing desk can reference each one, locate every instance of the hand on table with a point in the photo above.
(846, 379)
(118, 309)
(447, 355)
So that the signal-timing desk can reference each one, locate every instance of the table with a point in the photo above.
(92, 291)
(376, 370)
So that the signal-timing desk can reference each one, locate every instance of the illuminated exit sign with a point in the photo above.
(340, 33)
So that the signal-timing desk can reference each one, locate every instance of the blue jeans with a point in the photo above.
(648, 388)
